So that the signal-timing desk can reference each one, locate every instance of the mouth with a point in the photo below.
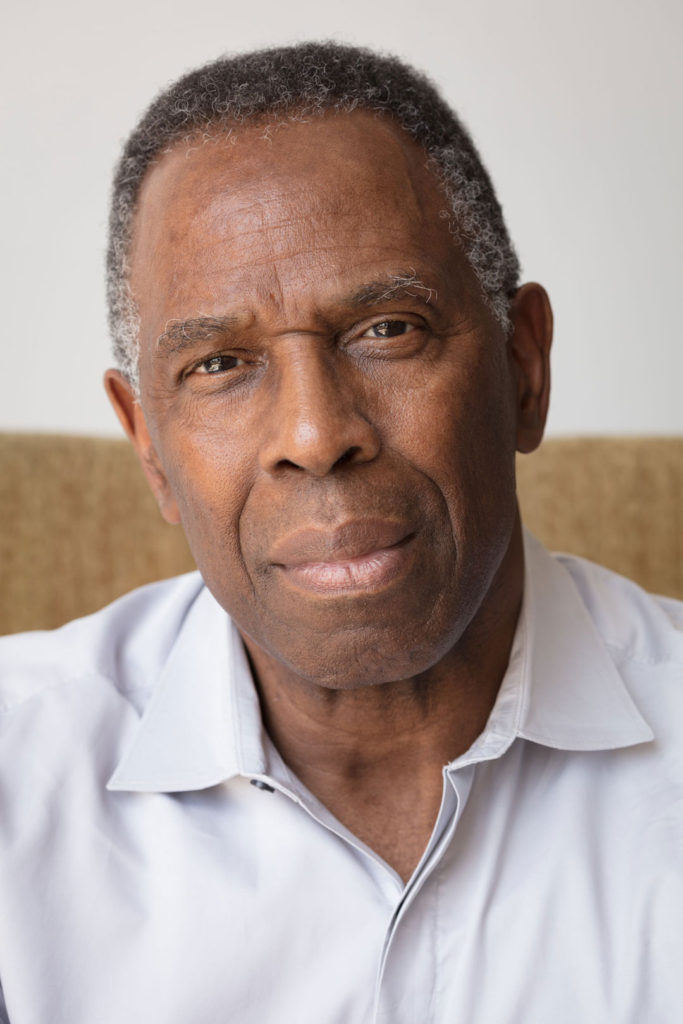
(364, 555)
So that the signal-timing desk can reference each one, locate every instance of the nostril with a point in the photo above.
(288, 464)
(348, 455)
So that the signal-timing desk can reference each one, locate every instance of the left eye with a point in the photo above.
(390, 328)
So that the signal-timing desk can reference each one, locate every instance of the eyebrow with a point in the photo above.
(404, 284)
(181, 334)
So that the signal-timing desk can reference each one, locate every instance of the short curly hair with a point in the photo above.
(296, 82)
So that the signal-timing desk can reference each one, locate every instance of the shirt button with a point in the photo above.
(260, 784)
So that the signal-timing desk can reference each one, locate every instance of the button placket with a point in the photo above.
(432, 858)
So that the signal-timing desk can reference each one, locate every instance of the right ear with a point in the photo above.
(132, 419)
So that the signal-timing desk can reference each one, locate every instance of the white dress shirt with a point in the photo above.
(144, 878)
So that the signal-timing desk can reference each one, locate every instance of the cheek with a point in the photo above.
(443, 419)
(209, 469)
(459, 430)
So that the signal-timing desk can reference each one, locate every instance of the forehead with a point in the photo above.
(331, 199)
(344, 148)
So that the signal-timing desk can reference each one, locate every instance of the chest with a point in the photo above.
(238, 904)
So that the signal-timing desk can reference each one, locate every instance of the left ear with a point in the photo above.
(529, 345)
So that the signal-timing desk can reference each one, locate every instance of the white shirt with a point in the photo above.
(144, 879)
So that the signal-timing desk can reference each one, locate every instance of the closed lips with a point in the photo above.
(361, 555)
(346, 543)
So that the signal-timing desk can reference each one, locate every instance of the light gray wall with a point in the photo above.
(575, 106)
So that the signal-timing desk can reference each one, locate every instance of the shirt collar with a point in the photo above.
(576, 698)
(202, 724)
(562, 688)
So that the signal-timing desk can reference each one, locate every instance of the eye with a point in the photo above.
(390, 328)
(218, 364)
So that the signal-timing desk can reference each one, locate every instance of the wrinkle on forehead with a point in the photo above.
(247, 167)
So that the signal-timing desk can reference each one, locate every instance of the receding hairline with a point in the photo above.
(227, 135)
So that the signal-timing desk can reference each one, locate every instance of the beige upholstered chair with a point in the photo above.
(78, 526)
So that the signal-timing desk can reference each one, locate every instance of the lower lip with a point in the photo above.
(367, 572)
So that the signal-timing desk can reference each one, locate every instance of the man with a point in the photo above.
(386, 759)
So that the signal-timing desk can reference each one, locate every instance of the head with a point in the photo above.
(335, 364)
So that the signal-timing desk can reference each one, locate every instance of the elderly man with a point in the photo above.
(386, 759)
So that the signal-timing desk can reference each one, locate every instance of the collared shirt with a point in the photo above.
(144, 878)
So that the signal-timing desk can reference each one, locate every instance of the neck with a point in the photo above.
(360, 749)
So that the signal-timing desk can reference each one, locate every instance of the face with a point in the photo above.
(327, 404)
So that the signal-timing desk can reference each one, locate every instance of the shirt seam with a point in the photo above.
(10, 706)
(633, 654)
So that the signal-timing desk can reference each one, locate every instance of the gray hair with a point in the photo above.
(297, 82)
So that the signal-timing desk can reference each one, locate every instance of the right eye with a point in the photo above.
(218, 364)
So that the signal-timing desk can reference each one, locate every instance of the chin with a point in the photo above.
(354, 659)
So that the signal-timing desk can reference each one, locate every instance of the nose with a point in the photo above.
(316, 420)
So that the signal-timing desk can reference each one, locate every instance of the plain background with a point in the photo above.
(575, 107)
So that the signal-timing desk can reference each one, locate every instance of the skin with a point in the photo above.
(339, 447)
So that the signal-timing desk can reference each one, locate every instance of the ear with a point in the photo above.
(529, 346)
(132, 419)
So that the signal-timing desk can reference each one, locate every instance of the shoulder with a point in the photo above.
(643, 635)
(634, 624)
(121, 647)
(71, 700)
